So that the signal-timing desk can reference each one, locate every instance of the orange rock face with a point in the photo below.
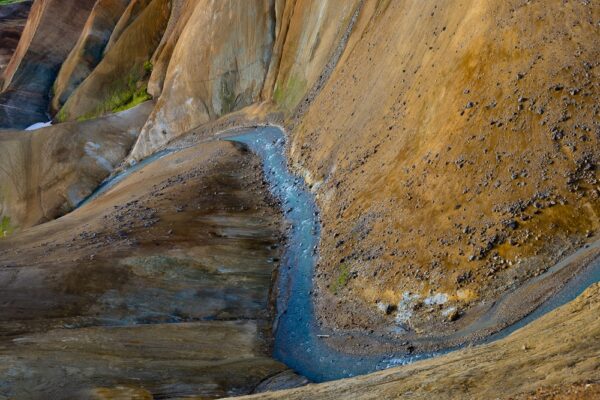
(218, 66)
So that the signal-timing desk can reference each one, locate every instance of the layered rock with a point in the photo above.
(12, 21)
(51, 32)
(88, 50)
(45, 173)
(131, 13)
(218, 66)
(181, 11)
(121, 77)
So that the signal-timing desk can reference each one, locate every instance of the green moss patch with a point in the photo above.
(6, 229)
(342, 279)
(7, 2)
(118, 102)
(290, 94)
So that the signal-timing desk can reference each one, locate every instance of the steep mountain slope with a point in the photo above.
(454, 155)
(12, 22)
(88, 50)
(218, 66)
(51, 31)
(452, 147)
(121, 76)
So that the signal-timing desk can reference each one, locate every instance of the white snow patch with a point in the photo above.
(38, 125)
(405, 307)
(437, 299)
(448, 311)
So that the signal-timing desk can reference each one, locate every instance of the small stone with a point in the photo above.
(453, 315)
(512, 224)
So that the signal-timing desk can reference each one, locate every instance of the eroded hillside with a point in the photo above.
(452, 146)
(465, 165)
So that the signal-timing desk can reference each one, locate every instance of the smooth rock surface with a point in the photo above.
(308, 33)
(181, 11)
(12, 22)
(218, 66)
(124, 71)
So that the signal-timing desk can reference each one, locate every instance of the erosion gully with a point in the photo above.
(298, 341)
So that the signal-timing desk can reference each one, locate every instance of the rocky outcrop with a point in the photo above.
(12, 21)
(131, 13)
(218, 66)
(542, 355)
(88, 50)
(51, 32)
(45, 173)
(292, 44)
(121, 77)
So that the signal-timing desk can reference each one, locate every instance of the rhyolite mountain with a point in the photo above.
(452, 148)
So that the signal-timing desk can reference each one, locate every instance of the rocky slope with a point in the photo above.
(88, 50)
(121, 76)
(467, 163)
(46, 173)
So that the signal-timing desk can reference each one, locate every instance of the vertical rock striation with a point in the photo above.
(121, 77)
(12, 22)
(218, 66)
(51, 32)
(88, 50)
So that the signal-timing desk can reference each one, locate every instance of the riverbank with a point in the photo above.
(547, 359)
